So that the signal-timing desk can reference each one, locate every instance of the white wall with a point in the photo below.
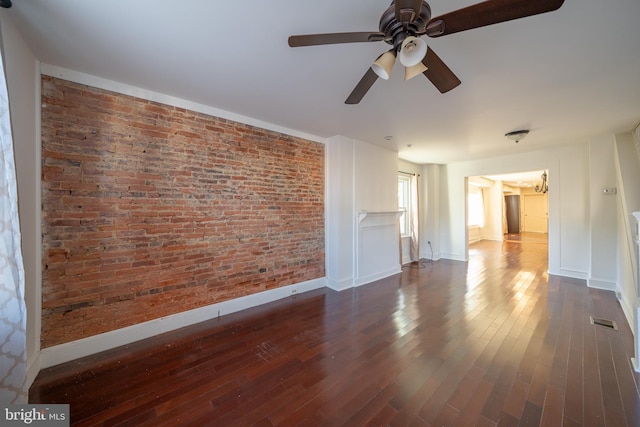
(23, 82)
(628, 201)
(361, 177)
(430, 212)
(569, 222)
(602, 213)
(377, 249)
(340, 235)
(375, 178)
(494, 212)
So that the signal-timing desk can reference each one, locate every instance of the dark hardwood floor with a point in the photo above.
(491, 342)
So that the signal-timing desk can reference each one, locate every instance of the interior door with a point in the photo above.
(512, 211)
(535, 213)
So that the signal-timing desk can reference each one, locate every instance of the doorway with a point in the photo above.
(515, 209)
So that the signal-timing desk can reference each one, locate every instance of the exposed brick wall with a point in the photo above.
(150, 210)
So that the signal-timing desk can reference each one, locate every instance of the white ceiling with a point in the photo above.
(567, 75)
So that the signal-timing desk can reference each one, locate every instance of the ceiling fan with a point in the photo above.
(405, 21)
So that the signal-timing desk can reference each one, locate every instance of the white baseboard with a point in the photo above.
(377, 276)
(84, 347)
(340, 284)
(434, 257)
(574, 274)
(601, 284)
(627, 309)
(452, 257)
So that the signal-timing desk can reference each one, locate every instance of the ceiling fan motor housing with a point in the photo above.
(395, 31)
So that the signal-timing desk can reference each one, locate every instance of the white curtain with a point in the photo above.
(13, 363)
(414, 250)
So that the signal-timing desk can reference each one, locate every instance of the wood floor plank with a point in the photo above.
(472, 412)
(552, 412)
(370, 411)
(516, 399)
(574, 396)
(448, 416)
(531, 415)
(612, 401)
(507, 420)
(495, 341)
(627, 380)
(593, 414)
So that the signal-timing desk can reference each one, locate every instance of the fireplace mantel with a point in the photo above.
(377, 243)
(378, 217)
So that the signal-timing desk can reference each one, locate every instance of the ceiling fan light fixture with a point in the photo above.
(413, 51)
(384, 64)
(517, 135)
(405, 21)
(416, 70)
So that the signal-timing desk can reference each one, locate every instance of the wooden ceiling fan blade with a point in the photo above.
(488, 13)
(334, 38)
(407, 10)
(438, 73)
(362, 87)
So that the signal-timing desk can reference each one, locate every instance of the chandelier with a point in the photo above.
(544, 186)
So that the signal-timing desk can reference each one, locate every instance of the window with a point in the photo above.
(404, 203)
(476, 207)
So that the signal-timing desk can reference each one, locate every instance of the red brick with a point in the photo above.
(149, 210)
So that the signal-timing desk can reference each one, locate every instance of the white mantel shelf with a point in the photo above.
(391, 215)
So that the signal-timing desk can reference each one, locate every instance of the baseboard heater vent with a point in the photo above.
(611, 324)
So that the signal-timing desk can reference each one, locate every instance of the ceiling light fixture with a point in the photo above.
(411, 72)
(413, 51)
(383, 65)
(517, 135)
